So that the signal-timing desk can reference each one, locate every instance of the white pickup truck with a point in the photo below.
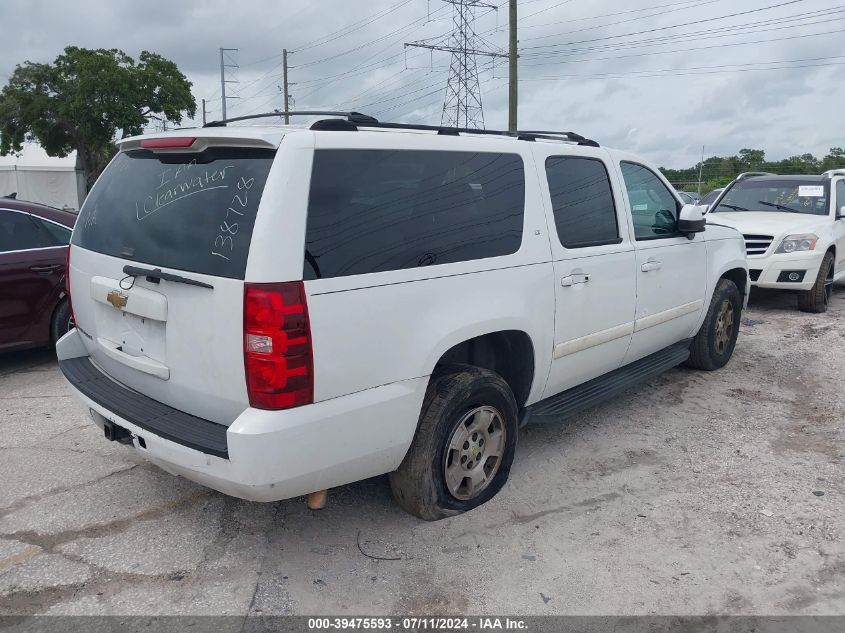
(794, 230)
(272, 311)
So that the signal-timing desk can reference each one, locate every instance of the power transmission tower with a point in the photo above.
(223, 80)
(462, 103)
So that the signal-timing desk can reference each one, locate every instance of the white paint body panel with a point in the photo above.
(377, 337)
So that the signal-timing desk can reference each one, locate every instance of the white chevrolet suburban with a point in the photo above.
(275, 310)
(794, 230)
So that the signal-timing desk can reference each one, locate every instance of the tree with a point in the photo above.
(86, 99)
(752, 159)
(834, 160)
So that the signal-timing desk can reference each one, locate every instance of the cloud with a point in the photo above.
(615, 72)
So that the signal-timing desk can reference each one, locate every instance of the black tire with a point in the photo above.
(712, 347)
(60, 323)
(816, 298)
(419, 484)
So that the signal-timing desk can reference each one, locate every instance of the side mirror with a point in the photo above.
(691, 219)
(841, 213)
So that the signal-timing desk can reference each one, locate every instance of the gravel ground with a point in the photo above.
(696, 493)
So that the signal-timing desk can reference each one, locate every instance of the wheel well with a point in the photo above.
(509, 353)
(739, 277)
(62, 299)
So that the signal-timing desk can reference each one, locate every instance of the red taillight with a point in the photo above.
(67, 285)
(168, 142)
(277, 346)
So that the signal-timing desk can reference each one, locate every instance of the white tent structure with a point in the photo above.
(37, 177)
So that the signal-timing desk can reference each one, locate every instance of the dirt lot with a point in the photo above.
(697, 493)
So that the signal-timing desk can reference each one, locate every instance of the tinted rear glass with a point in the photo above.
(582, 200)
(378, 210)
(193, 212)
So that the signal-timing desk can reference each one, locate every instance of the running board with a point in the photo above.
(566, 404)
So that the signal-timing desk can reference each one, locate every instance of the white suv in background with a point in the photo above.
(794, 229)
(272, 311)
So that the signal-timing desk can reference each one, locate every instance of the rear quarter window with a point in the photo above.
(193, 212)
(379, 210)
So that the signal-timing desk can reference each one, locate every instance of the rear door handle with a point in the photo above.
(44, 270)
(574, 278)
(650, 265)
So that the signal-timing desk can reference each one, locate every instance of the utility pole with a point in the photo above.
(700, 169)
(203, 112)
(512, 71)
(462, 103)
(285, 78)
(223, 80)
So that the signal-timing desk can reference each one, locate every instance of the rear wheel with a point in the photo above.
(60, 323)
(816, 298)
(714, 344)
(464, 446)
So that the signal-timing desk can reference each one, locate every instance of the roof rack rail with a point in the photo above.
(530, 135)
(830, 173)
(751, 174)
(523, 135)
(351, 121)
(351, 117)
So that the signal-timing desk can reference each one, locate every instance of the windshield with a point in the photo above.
(193, 212)
(710, 198)
(778, 196)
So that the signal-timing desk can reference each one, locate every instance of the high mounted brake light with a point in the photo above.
(168, 142)
(277, 346)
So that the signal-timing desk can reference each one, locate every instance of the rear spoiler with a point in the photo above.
(181, 144)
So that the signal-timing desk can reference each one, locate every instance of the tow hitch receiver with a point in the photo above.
(115, 433)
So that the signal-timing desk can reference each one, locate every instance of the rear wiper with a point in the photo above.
(156, 275)
(780, 207)
(734, 207)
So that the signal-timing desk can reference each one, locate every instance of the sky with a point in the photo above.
(660, 78)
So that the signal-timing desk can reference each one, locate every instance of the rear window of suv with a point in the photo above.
(193, 212)
(378, 210)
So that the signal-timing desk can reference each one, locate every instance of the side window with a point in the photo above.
(52, 234)
(582, 201)
(840, 195)
(18, 232)
(378, 210)
(653, 207)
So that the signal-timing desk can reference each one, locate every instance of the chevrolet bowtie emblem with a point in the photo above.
(117, 299)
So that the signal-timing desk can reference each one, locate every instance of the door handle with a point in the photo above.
(43, 270)
(574, 278)
(650, 265)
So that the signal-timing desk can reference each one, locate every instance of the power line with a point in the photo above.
(664, 28)
(351, 28)
(690, 71)
(726, 31)
(688, 49)
(605, 25)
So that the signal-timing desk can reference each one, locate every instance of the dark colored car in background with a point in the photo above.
(34, 310)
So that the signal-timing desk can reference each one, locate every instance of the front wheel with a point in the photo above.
(816, 298)
(464, 446)
(714, 344)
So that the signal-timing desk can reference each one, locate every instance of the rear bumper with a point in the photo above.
(265, 455)
(768, 270)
